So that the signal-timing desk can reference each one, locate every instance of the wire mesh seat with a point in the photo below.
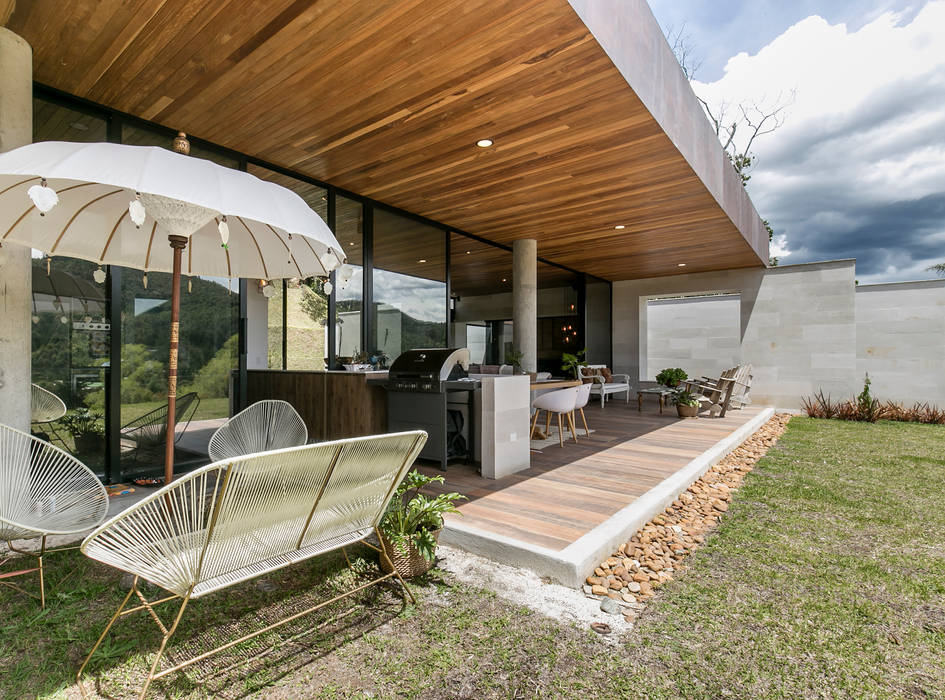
(44, 491)
(265, 425)
(246, 516)
(45, 406)
(146, 433)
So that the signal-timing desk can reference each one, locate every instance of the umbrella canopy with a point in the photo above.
(273, 233)
(122, 205)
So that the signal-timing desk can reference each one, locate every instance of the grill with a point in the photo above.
(423, 390)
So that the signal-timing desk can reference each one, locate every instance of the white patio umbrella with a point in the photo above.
(122, 205)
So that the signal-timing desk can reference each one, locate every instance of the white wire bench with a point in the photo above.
(243, 517)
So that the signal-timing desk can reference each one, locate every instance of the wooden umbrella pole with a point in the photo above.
(178, 243)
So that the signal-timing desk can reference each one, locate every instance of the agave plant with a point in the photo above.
(412, 518)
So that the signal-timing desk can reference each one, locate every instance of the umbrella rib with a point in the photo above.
(258, 249)
(287, 249)
(147, 258)
(112, 235)
(79, 211)
(305, 238)
(3, 192)
(32, 207)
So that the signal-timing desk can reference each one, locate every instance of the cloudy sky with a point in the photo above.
(858, 169)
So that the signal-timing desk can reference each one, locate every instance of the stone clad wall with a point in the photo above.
(699, 334)
(900, 340)
(797, 326)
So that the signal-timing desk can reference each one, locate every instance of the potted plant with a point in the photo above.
(359, 362)
(671, 377)
(687, 405)
(87, 430)
(411, 526)
(572, 363)
(514, 358)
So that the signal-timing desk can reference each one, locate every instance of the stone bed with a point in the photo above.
(626, 579)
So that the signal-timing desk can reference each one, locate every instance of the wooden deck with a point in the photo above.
(569, 491)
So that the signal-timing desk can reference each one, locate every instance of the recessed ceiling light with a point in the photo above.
(468, 252)
(681, 265)
(504, 280)
(484, 143)
(422, 260)
(619, 227)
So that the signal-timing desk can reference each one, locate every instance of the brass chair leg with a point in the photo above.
(42, 580)
(101, 637)
(583, 418)
(547, 423)
(560, 431)
(531, 434)
(160, 653)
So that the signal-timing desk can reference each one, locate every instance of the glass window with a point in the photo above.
(481, 294)
(70, 346)
(54, 123)
(276, 304)
(208, 355)
(559, 328)
(409, 285)
(598, 322)
(306, 331)
(349, 281)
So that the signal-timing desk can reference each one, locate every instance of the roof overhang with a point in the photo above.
(594, 124)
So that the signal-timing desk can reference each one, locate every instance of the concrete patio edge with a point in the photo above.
(571, 565)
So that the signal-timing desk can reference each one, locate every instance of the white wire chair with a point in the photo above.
(45, 409)
(45, 406)
(145, 435)
(43, 491)
(265, 425)
(243, 517)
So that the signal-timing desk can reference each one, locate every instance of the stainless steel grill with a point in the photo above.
(418, 386)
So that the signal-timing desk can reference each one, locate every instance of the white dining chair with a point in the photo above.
(561, 402)
(583, 396)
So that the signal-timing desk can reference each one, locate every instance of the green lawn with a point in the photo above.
(826, 578)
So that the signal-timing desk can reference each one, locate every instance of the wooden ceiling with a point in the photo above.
(388, 99)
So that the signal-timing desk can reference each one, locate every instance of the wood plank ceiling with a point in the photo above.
(388, 99)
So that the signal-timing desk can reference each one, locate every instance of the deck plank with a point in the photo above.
(568, 491)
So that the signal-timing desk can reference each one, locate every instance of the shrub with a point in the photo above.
(869, 409)
(671, 376)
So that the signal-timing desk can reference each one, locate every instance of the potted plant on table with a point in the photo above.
(87, 430)
(671, 377)
(687, 405)
(411, 526)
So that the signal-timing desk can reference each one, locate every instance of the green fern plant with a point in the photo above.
(413, 518)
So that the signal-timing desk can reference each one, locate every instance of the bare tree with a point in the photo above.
(737, 126)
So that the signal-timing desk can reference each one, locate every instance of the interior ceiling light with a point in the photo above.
(468, 252)
(504, 280)
(619, 227)
(422, 260)
(681, 265)
(484, 143)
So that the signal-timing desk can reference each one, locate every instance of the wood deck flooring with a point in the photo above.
(568, 491)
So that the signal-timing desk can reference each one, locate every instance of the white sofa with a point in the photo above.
(602, 388)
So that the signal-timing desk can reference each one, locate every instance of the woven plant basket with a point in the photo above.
(408, 565)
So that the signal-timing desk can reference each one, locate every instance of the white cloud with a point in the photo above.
(866, 131)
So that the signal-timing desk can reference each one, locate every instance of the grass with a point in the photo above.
(305, 339)
(825, 578)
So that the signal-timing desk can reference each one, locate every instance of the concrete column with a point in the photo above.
(525, 301)
(16, 129)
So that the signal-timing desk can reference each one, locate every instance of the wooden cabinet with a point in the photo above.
(333, 405)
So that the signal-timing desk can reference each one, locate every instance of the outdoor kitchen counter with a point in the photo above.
(333, 404)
